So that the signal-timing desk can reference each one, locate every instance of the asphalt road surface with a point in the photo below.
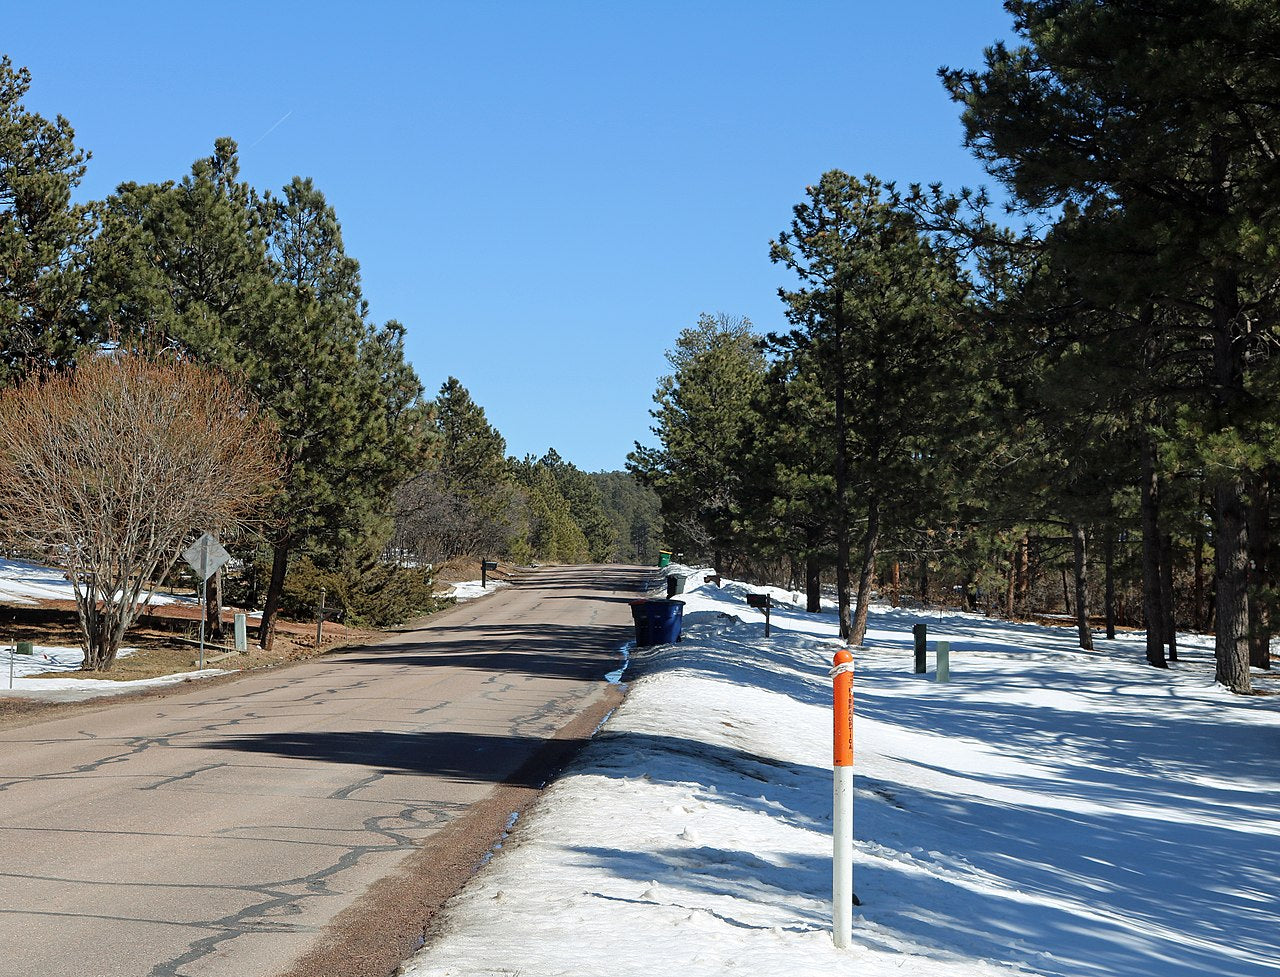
(270, 825)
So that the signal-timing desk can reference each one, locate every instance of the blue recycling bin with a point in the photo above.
(657, 621)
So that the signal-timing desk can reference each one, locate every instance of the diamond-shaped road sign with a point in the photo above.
(206, 556)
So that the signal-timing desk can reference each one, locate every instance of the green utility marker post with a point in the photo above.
(920, 632)
(944, 662)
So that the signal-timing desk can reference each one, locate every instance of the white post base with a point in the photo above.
(842, 874)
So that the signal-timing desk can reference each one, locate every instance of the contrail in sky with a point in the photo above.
(272, 129)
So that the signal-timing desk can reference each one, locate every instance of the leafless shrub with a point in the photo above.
(110, 471)
(436, 521)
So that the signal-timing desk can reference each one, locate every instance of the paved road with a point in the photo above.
(217, 833)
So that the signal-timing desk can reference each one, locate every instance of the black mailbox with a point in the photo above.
(490, 564)
(761, 602)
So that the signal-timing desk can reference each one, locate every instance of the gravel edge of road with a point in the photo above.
(399, 914)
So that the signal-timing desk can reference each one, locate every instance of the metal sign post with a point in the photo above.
(320, 618)
(206, 557)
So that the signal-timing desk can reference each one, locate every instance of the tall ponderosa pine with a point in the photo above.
(43, 236)
(717, 367)
(878, 316)
(347, 403)
(183, 265)
(1164, 120)
(788, 492)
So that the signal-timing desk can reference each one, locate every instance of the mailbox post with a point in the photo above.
(761, 602)
(323, 614)
(485, 567)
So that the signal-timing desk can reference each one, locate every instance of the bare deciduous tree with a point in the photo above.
(108, 473)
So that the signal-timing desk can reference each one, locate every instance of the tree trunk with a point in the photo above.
(1012, 587)
(1023, 599)
(1066, 593)
(213, 606)
(813, 584)
(1231, 580)
(843, 529)
(1109, 555)
(1260, 572)
(843, 589)
(279, 566)
(924, 580)
(1152, 611)
(1080, 549)
(870, 544)
(1167, 611)
(895, 582)
(1199, 608)
(1231, 514)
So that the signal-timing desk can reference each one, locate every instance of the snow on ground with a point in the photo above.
(1049, 811)
(471, 589)
(28, 583)
(17, 671)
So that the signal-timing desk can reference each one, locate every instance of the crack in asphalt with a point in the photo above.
(278, 895)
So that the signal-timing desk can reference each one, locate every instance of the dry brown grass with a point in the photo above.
(161, 652)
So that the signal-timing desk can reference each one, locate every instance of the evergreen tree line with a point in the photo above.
(257, 285)
(469, 498)
(1069, 404)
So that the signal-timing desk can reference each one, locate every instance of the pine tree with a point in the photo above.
(184, 265)
(461, 501)
(346, 401)
(788, 495)
(1163, 121)
(43, 236)
(717, 367)
(878, 316)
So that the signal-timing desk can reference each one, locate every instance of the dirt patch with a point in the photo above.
(462, 568)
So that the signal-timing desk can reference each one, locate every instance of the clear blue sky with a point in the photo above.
(544, 193)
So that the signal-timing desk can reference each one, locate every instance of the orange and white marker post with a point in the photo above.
(842, 811)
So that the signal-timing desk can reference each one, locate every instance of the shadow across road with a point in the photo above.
(469, 757)
(574, 652)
